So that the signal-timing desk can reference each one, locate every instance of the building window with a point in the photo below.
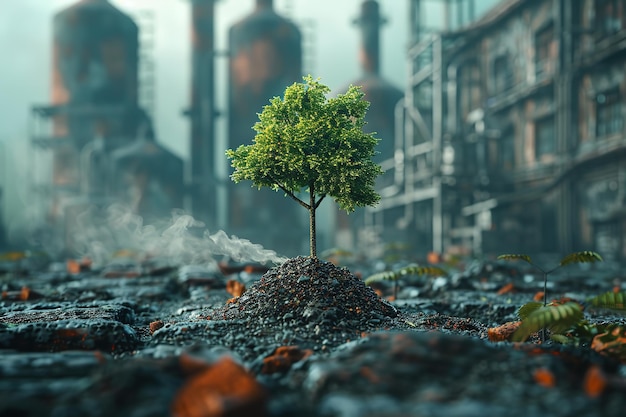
(502, 74)
(545, 140)
(609, 117)
(470, 87)
(609, 17)
(543, 43)
(507, 150)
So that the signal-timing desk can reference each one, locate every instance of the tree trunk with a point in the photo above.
(312, 221)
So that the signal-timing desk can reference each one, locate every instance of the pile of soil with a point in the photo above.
(309, 290)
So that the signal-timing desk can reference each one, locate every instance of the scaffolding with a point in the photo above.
(145, 20)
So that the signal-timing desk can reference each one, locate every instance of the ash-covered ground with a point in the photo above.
(305, 338)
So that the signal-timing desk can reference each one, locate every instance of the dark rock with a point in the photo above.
(105, 335)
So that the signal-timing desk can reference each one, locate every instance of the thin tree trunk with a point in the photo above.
(312, 220)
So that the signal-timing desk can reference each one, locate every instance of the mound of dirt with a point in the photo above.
(311, 290)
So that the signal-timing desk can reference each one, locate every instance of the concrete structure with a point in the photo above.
(514, 132)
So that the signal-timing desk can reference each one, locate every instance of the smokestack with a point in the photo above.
(370, 22)
(202, 110)
(264, 4)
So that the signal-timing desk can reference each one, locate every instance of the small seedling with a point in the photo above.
(542, 317)
(567, 326)
(576, 257)
(407, 270)
(309, 141)
(556, 317)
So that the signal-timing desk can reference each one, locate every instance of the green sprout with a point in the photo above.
(576, 257)
(308, 141)
(536, 317)
(407, 270)
(565, 321)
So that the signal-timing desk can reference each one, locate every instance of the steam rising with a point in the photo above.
(182, 240)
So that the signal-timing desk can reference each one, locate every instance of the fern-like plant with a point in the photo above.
(552, 315)
(567, 325)
(407, 270)
(555, 317)
(610, 300)
(576, 257)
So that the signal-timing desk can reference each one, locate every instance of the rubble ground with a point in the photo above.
(304, 338)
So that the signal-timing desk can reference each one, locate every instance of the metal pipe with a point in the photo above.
(438, 238)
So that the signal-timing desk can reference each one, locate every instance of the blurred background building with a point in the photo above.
(265, 56)
(514, 130)
(94, 144)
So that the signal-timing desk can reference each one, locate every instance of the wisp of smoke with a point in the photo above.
(182, 239)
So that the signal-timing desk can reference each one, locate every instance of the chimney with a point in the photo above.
(370, 22)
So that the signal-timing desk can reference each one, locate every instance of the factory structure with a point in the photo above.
(514, 132)
(94, 144)
(509, 135)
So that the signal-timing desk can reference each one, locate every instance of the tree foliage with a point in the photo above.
(306, 141)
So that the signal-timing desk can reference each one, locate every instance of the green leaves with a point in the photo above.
(575, 257)
(307, 139)
(558, 318)
(528, 308)
(611, 300)
(515, 257)
(580, 257)
(407, 270)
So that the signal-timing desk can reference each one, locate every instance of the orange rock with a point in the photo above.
(235, 288)
(433, 258)
(544, 377)
(224, 389)
(156, 325)
(24, 293)
(369, 374)
(75, 267)
(282, 359)
(504, 332)
(506, 289)
(595, 381)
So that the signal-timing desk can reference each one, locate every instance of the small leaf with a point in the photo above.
(581, 257)
(422, 270)
(515, 257)
(335, 252)
(407, 270)
(528, 308)
(382, 276)
(554, 317)
(561, 338)
(612, 300)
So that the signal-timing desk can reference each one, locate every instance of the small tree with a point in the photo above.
(309, 141)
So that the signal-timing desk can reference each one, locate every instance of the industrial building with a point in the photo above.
(265, 57)
(94, 144)
(514, 132)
